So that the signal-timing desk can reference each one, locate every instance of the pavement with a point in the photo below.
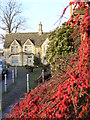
(17, 90)
(9, 80)
(2, 90)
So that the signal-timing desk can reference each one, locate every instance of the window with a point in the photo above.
(15, 60)
(44, 60)
(14, 48)
(30, 60)
(1, 64)
(28, 48)
(25, 48)
(29, 56)
(46, 46)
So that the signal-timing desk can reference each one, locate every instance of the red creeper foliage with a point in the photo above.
(67, 97)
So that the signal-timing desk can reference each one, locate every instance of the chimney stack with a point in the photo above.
(40, 29)
(7, 32)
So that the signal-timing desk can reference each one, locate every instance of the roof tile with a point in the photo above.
(22, 37)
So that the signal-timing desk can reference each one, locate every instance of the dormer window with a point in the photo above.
(28, 48)
(14, 48)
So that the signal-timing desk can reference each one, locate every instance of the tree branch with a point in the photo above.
(10, 16)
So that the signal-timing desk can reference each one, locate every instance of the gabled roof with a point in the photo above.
(23, 37)
(15, 42)
(29, 42)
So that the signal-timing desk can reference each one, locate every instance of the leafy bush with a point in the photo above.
(61, 45)
(8, 65)
(37, 61)
(26, 65)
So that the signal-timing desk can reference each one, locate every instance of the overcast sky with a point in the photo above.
(46, 11)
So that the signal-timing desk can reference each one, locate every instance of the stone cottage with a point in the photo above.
(20, 49)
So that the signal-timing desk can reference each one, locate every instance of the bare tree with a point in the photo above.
(10, 16)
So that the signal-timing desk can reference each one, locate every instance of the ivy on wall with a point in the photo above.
(60, 47)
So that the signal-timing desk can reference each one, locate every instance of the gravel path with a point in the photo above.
(18, 89)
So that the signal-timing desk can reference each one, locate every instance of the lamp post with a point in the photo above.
(70, 9)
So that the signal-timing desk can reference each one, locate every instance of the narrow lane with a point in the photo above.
(18, 89)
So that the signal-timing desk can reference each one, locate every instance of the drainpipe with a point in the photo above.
(22, 56)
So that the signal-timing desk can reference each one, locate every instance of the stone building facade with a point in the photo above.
(20, 49)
